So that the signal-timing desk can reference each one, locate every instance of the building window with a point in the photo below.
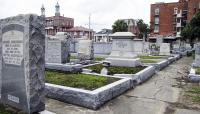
(156, 29)
(175, 10)
(156, 20)
(199, 5)
(157, 11)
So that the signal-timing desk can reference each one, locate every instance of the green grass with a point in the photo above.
(96, 59)
(83, 81)
(194, 94)
(147, 61)
(150, 57)
(116, 70)
(198, 71)
(99, 59)
(195, 90)
(3, 110)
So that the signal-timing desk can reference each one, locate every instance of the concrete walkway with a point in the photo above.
(153, 97)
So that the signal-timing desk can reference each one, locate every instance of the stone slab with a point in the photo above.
(124, 62)
(57, 49)
(64, 67)
(22, 62)
(164, 49)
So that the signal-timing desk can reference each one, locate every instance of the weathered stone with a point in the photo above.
(58, 49)
(197, 56)
(85, 50)
(165, 49)
(123, 50)
(22, 65)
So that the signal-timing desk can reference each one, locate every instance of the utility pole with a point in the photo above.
(89, 26)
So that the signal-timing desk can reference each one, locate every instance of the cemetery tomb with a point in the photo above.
(22, 62)
(123, 50)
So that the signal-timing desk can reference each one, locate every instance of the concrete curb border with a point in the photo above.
(141, 76)
(193, 77)
(89, 99)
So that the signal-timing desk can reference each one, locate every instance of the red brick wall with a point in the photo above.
(166, 17)
(192, 4)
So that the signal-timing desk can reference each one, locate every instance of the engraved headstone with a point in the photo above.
(58, 49)
(22, 62)
(197, 55)
(85, 50)
(165, 49)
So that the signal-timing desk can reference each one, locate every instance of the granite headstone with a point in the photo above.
(85, 50)
(197, 55)
(58, 49)
(22, 62)
(165, 49)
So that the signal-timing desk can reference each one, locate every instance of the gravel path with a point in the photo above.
(159, 95)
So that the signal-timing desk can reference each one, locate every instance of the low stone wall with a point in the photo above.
(99, 47)
(193, 77)
(141, 76)
(89, 99)
(64, 67)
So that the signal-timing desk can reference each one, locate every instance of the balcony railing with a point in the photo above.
(178, 25)
(178, 34)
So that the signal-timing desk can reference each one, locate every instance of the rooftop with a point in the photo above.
(123, 34)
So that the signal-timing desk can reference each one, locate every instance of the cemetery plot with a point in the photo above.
(138, 74)
(82, 81)
(87, 90)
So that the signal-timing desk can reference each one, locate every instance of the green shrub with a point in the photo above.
(116, 70)
(84, 81)
(198, 71)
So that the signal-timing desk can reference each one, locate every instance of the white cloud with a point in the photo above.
(103, 12)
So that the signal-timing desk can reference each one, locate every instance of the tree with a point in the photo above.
(120, 26)
(192, 30)
(143, 28)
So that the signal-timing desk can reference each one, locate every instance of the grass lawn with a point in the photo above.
(194, 94)
(151, 57)
(83, 81)
(116, 70)
(198, 71)
(147, 61)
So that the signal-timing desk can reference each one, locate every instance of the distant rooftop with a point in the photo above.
(120, 34)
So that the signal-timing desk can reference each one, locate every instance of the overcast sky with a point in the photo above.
(103, 12)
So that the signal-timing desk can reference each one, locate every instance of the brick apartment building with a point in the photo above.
(168, 19)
